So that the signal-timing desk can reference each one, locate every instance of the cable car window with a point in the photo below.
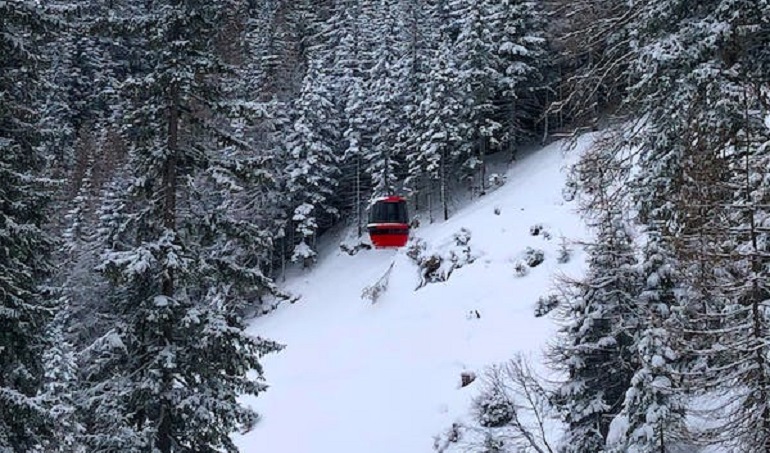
(389, 212)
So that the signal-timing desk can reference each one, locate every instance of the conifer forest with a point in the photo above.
(162, 163)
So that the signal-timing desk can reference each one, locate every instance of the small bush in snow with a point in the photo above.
(462, 237)
(496, 180)
(494, 408)
(374, 291)
(493, 445)
(305, 254)
(353, 249)
(497, 211)
(570, 190)
(565, 252)
(539, 230)
(451, 436)
(415, 249)
(534, 257)
(438, 266)
(466, 378)
(521, 269)
(545, 305)
(513, 411)
(430, 269)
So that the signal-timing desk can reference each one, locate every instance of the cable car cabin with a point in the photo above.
(388, 222)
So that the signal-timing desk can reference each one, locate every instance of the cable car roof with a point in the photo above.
(389, 199)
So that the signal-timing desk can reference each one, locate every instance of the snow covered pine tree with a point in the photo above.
(24, 247)
(169, 374)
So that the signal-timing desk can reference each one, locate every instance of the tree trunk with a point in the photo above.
(442, 188)
(169, 180)
(482, 158)
(359, 213)
(164, 435)
(164, 441)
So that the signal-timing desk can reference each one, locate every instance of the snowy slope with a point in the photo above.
(384, 378)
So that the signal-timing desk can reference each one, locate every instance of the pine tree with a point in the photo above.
(654, 405)
(24, 246)
(439, 114)
(313, 170)
(420, 42)
(386, 95)
(478, 68)
(60, 389)
(347, 46)
(693, 74)
(519, 29)
(698, 72)
(596, 346)
(166, 378)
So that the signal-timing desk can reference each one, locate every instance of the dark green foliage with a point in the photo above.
(24, 246)
(168, 374)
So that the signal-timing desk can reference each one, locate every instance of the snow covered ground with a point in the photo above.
(385, 377)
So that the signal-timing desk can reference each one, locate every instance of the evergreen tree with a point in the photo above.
(519, 29)
(699, 71)
(313, 170)
(654, 405)
(24, 246)
(596, 346)
(436, 152)
(348, 44)
(694, 74)
(478, 68)
(60, 389)
(420, 43)
(386, 96)
(166, 378)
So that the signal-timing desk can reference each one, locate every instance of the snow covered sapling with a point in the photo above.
(496, 180)
(565, 252)
(535, 229)
(467, 378)
(534, 257)
(493, 408)
(374, 291)
(452, 436)
(438, 266)
(304, 253)
(463, 256)
(429, 269)
(546, 304)
(415, 249)
(512, 410)
(354, 249)
(462, 237)
(521, 269)
(493, 444)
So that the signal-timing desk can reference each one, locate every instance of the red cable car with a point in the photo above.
(388, 222)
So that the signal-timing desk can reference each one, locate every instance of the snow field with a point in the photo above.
(385, 377)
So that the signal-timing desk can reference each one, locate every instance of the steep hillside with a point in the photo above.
(384, 377)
